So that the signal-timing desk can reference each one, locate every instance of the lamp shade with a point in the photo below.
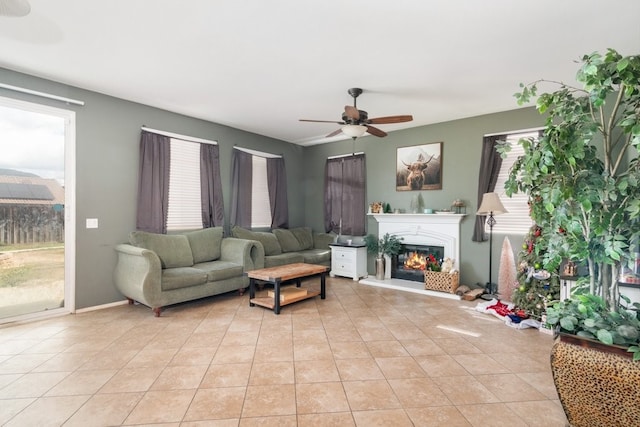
(491, 204)
(354, 131)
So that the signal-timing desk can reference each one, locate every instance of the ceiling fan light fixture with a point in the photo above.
(354, 131)
(15, 8)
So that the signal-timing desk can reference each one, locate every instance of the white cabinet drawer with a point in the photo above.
(343, 255)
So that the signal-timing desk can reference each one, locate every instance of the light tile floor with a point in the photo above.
(364, 356)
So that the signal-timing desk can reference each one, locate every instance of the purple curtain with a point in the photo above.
(490, 162)
(153, 183)
(241, 178)
(332, 195)
(277, 184)
(211, 186)
(344, 195)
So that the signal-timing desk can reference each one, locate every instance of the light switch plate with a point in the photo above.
(92, 222)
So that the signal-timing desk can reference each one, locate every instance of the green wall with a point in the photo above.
(462, 141)
(107, 138)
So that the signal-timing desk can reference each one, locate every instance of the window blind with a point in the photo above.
(185, 207)
(260, 204)
(517, 220)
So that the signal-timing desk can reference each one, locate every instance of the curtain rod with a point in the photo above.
(344, 155)
(178, 136)
(259, 153)
(41, 94)
(515, 131)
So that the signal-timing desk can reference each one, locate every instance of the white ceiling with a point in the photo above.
(261, 65)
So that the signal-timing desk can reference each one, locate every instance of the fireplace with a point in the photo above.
(432, 230)
(412, 260)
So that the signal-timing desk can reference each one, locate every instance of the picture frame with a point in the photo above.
(419, 167)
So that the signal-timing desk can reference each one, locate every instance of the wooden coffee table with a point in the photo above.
(282, 273)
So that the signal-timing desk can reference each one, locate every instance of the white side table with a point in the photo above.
(348, 260)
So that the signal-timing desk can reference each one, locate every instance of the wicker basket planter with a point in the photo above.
(439, 281)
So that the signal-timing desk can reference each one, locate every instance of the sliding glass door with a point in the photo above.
(36, 205)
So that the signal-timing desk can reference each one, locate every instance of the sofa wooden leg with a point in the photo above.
(156, 311)
(130, 301)
(241, 291)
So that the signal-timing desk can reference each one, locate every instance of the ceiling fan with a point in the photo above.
(356, 122)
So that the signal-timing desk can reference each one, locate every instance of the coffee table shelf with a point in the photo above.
(269, 302)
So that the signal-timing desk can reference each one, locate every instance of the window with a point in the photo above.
(185, 206)
(517, 220)
(258, 190)
(344, 195)
(260, 205)
(189, 169)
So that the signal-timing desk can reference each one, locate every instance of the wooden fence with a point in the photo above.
(21, 224)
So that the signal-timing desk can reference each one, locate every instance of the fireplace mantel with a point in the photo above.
(422, 229)
(448, 218)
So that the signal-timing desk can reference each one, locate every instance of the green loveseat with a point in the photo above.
(288, 246)
(158, 270)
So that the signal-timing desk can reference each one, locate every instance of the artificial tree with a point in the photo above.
(583, 180)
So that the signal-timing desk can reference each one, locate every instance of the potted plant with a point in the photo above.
(388, 245)
(583, 180)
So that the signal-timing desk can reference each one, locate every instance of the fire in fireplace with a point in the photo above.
(412, 261)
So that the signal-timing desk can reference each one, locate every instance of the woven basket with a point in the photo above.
(439, 281)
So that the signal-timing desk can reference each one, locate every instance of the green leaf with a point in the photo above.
(605, 336)
(589, 323)
(628, 332)
(624, 62)
(590, 69)
(568, 323)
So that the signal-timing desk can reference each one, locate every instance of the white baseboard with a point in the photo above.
(103, 306)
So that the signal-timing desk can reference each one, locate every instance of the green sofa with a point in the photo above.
(158, 270)
(289, 246)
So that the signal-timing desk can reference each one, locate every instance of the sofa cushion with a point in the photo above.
(283, 259)
(173, 250)
(182, 277)
(304, 236)
(220, 270)
(268, 240)
(205, 244)
(317, 256)
(287, 240)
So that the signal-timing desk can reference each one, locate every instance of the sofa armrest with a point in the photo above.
(248, 253)
(138, 274)
(322, 240)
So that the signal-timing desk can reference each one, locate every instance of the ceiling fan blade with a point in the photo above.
(334, 133)
(390, 119)
(352, 112)
(375, 131)
(322, 121)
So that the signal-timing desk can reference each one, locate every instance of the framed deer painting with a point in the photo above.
(419, 167)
